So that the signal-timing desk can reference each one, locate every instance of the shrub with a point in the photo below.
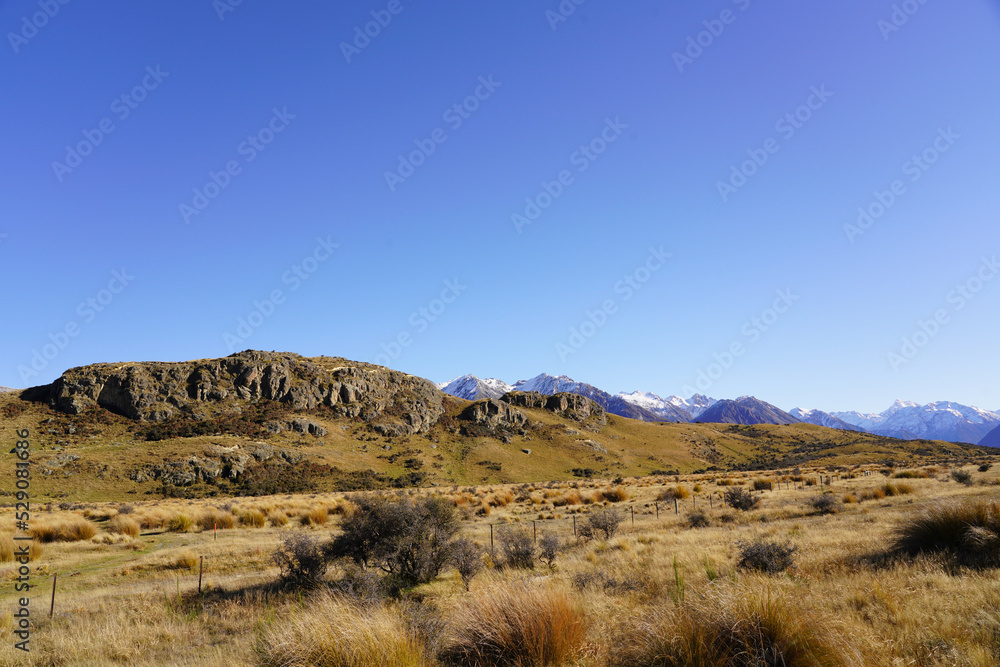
(699, 519)
(548, 548)
(761, 485)
(911, 474)
(332, 630)
(674, 493)
(302, 561)
(962, 476)
(516, 547)
(602, 523)
(985, 467)
(825, 504)
(126, 509)
(467, 557)
(516, 624)
(968, 533)
(410, 540)
(740, 499)
(764, 556)
(733, 628)
(123, 524)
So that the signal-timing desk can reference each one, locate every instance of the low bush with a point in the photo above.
(967, 533)
(911, 474)
(301, 560)
(601, 524)
(962, 476)
(825, 504)
(515, 547)
(517, 624)
(740, 499)
(761, 485)
(699, 519)
(765, 556)
(549, 546)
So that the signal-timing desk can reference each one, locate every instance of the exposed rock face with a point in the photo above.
(155, 391)
(493, 413)
(571, 406)
(216, 462)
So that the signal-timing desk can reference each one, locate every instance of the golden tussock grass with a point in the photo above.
(123, 524)
(72, 528)
(334, 632)
(517, 623)
(745, 624)
(253, 518)
(277, 518)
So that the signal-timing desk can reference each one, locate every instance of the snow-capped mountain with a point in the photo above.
(942, 420)
(472, 388)
(746, 410)
(673, 408)
(549, 384)
(821, 418)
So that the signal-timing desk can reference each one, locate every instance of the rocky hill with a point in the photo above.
(394, 402)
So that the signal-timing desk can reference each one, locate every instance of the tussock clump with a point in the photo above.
(968, 533)
(911, 474)
(699, 519)
(68, 529)
(185, 560)
(277, 518)
(615, 494)
(6, 547)
(673, 493)
(334, 631)
(743, 627)
(214, 518)
(519, 624)
(316, 516)
(180, 523)
(253, 518)
(124, 525)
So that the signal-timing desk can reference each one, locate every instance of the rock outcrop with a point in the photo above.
(157, 391)
(572, 406)
(493, 413)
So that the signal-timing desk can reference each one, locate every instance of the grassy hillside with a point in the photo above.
(96, 455)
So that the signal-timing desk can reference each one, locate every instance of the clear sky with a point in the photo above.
(624, 193)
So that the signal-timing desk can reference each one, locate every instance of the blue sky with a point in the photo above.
(242, 194)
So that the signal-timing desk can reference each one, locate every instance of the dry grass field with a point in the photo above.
(666, 589)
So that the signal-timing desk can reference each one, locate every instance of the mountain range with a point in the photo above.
(943, 420)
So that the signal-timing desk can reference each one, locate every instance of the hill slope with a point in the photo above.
(260, 423)
(746, 410)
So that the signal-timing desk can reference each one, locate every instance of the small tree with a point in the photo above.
(548, 548)
(962, 476)
(467, 557)
(409, 540)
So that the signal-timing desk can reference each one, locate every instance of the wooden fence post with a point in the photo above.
(491, 536)
(52, 605)
(676, 511)
(201, 565)
(534, 531)
(574, 525)
(657, 510)
(632, 507)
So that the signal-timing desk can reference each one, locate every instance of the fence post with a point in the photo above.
(574, 525)
(215, 531)
(52, 605)
(491, 536)
(657, 510)
(632, 507)
(534, 531)
(201, 565)
(676, 511)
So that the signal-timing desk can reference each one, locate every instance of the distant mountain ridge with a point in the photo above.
(943, 420)
(6, 389)
(746, 410)
(992, 438)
